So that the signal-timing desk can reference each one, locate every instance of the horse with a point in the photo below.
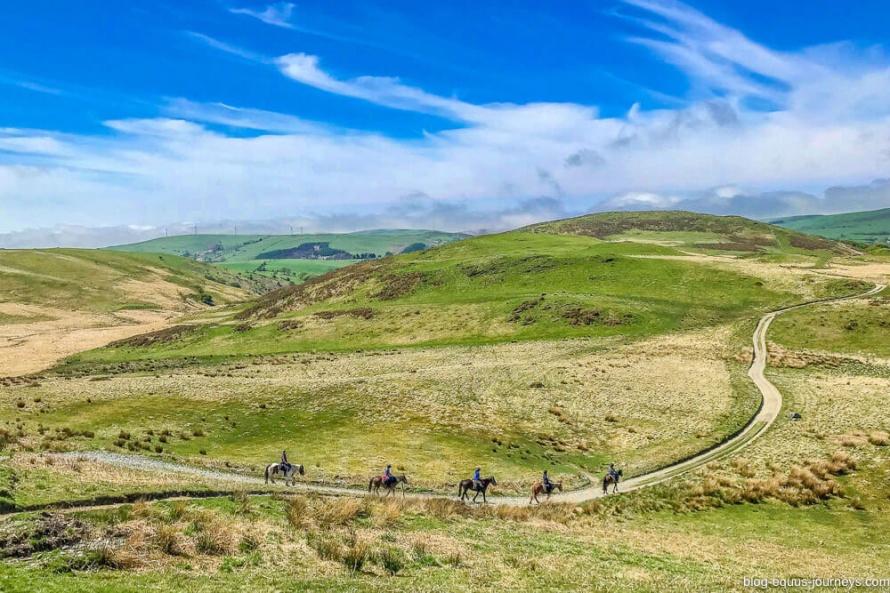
(538, 488)
(463, 489)
(609, 479)
(290, 475)
(377, 481)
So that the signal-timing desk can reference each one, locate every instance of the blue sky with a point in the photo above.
(145, 113)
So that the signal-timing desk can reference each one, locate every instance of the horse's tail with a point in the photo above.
(370, 483)
(267, 473)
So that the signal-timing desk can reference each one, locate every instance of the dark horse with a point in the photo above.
(378, 481)
(463, 489)
(609, 479)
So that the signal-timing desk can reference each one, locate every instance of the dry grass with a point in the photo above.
(427, 391)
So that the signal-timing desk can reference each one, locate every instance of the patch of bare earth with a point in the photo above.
(31, 347)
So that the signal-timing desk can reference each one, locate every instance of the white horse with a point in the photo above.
(290, 475)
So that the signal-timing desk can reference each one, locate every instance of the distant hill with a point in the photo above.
(104, 282)
(700, 232)
(292, 257)
(627, 275)
(864, 227)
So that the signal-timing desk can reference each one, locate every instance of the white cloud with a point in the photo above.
(278, 15)
(830, 127)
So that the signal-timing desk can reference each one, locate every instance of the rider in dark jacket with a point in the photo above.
(285, 464)
(387, 475)
(613, 472)
(548, 485)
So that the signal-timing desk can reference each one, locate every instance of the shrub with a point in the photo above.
(296, 510)
(390, 558)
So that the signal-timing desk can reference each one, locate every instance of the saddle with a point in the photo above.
(548, 488)
(388, 481)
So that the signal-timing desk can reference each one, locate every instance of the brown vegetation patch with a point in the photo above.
(49, 532)
(331, 285)
(290, 325)
(398, 285)
(358, 313)
(803, 485)
(163, 336)
(740, 243)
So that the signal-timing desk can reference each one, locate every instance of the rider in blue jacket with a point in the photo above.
(387, 474)
(477, 478)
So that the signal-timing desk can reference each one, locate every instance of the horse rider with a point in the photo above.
(285, 464)
(548, 485)
(613, 472)
(477, 478)
(387, 475)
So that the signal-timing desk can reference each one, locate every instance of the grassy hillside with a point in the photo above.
(442, 360)
(103, 281)
(245, 253)
(688, 230)
(865, 227)
(545, 282)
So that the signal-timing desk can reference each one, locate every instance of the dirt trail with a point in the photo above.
(769, 410)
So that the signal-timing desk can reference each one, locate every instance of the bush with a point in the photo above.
(390, 558)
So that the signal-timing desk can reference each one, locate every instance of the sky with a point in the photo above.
(143, 114)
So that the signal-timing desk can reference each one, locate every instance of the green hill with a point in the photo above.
(864, 227)
(700, 232)
(543, 282)
(104, 281)
(266, 254)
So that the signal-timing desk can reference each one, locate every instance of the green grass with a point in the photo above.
(241, 253)
(91, 279)
(699, 232)
(859, 327)
(865, 227)
(295, 269)
(513, 286)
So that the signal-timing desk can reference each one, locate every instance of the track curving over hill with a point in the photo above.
(771, 406)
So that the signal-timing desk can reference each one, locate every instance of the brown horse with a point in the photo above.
(538, 488)
(378, 481)
(609, 479)
(290, 476)
(463, 489)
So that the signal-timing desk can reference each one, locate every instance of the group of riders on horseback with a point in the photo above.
(477, 484)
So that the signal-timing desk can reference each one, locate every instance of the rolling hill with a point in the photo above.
(59, 301)
(292, 257)
(864, 227)
(688, 230)
(627, 275)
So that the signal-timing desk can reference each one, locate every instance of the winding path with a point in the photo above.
(770, 407)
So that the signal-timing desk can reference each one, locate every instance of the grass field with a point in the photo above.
(517, 352)
(103, 281)
(493, 289)
(243, 253)
(514, 408)
(865, 227)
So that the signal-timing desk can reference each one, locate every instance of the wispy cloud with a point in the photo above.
(278, 15)
(226, 47)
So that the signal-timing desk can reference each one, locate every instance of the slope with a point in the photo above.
(545, 282)
(865, 227)
(57, 302)
(263, 255)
